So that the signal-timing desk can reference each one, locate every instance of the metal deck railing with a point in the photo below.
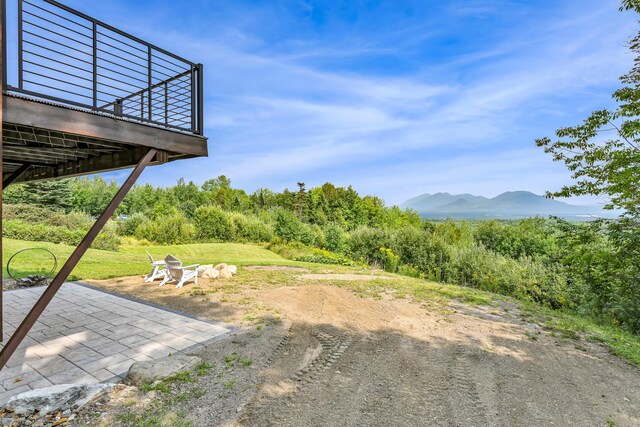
(67, 57)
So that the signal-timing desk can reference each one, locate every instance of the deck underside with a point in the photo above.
(43, 141)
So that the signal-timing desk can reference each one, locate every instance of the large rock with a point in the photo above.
(142, 373)
(204, 268)
(56, 398)
(225, 273)
(211, 273)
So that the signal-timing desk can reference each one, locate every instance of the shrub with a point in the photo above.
(26, 213)
(212, 223)
(288, 250)
(321, 256)
(250, 228)
(528, 237)
(364, 244)
(319, 238)
(289, 228)
(172, 229)
(454, 233)
(73, 220)
(480, 268)
(335, 238)
(543, 284)
(601, 263)
(389, 260)
(38, 215)
(107, 239)
(411, 271)
(129, 225)
(423, 250)
(20, 230)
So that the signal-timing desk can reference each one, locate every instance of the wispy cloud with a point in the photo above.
(425, 105)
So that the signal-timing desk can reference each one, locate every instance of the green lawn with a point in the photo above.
(132, 260)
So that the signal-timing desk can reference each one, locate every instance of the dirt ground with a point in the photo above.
(323, 356)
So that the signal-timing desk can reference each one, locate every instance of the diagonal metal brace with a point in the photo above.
(15, 175)
(63, 274)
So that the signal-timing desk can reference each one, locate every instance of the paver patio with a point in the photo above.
(88, 336)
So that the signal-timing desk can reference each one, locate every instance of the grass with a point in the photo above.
(133, 260)
(203, 368)
(153, 419)
(434, 297)
(161, 415)
(571, 326)
(235, 359)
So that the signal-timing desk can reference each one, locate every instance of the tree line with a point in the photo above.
(589, 267)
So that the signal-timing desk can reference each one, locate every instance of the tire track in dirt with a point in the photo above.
(332, 348)
(286, 381)
(464, 401)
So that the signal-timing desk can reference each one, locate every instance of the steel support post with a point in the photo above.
(63, 274)
(3, 68)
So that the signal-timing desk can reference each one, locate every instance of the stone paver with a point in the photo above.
(87, 335)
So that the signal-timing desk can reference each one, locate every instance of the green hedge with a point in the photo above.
(167, 230)
(20, 230)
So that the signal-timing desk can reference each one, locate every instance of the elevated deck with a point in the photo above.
(42, 140)
(83, 97)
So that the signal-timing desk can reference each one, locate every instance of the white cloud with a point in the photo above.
(461, 123)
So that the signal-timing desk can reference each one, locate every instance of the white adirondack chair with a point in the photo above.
(157, 270)
(179, 274)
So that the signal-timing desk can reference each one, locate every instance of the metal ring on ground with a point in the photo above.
(48, 275)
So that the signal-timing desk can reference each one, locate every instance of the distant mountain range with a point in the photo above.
(512, 204)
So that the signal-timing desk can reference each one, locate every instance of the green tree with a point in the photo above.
(188, 197)
(263, 198)
(91, 195)
(142, 198)
(603, 153)
(301, 202)
(52, 194)
(289, 228)
(219, 191)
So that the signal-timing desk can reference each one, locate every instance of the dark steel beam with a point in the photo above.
(63, 274)
(3, 73)
(200, 130)
(103, 163)
(60, 119)
(14, 175)
(20, 163)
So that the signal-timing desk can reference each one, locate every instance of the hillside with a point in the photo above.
(511, 204)
(370, 348)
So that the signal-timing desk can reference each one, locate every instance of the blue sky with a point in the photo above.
(396, 98)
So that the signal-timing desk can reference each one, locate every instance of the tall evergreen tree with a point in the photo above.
(53, 194)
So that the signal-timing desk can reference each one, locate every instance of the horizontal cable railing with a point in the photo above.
(67, 57)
